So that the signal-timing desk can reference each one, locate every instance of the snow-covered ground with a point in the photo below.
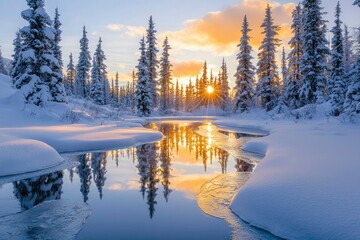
(31, 138)
(306, 187)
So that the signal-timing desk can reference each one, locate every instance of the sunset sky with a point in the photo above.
(197, 30)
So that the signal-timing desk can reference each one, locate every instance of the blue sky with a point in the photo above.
(198, 30)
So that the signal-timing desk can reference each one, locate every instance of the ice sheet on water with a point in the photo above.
(215, 198)
(61, 219)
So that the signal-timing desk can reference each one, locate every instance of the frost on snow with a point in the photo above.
(61, 219)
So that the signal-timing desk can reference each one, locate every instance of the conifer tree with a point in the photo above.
(70, 76)
(315, 52)
(348, 53)
(83, 67)
(224, 87)
(116, 90)
(293, 78)
(177, 97)
(144, 88)
(337, 76)
(165, 77)
(284, 70)
(357, 2)
(99, 91)
(268, 84)
(36, 76)
(244, 81)
(203, 83)
(153, 63)
(57, 38)
(15, 67)
(2, 64)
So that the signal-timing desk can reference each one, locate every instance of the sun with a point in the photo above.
(210, 89)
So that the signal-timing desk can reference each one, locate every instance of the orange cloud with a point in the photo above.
(220, 31)
(187, 68)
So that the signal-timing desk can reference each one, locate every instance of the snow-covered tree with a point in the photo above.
(38, 80)
(165, 77)
(99, 89)
(244, 90)
(2, 64)
(284, 70)
(116, 90)
(144, 87)
(15, 67)
(337, 75)
(224, 87)
(293, 78)
(57, 38)
(268, 84)
(83, 67)
(153, 63)
(70, 76)
(357, 2)
(348, 52)
(352, 101)
(315, 51)
(177, 98)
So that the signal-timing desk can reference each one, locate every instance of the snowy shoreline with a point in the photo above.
(305, 187)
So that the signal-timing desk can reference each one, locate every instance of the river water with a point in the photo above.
(143, 192)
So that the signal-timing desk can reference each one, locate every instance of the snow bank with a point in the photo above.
(25, 155)
(307, 185)
(31, 137)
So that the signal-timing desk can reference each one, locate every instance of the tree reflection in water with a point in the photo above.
(33, 191)
(153, 162)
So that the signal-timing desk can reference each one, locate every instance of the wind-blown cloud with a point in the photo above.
(219, 31)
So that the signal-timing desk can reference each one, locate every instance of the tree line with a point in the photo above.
(314, 71)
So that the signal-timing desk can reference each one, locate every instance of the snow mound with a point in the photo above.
(215, 197)
(61, 219)
(19, 156)
(307, 185)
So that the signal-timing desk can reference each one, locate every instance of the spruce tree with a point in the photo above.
(337, 75)
(144, 88)
(15, 68)
(315, 52)
(70, 76)
(58, 55)
(153, 63)
(203, 83)
(165, 77)
(284, 70)
(348, 53)
(224, 88)
(2, 64)
(99, 87)
(177, 99)
(357, 2)
(36, 73)
(244, 90)
(268, 84)
(57, 38)
(83, 67)
(116, 90)
(293, 78)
